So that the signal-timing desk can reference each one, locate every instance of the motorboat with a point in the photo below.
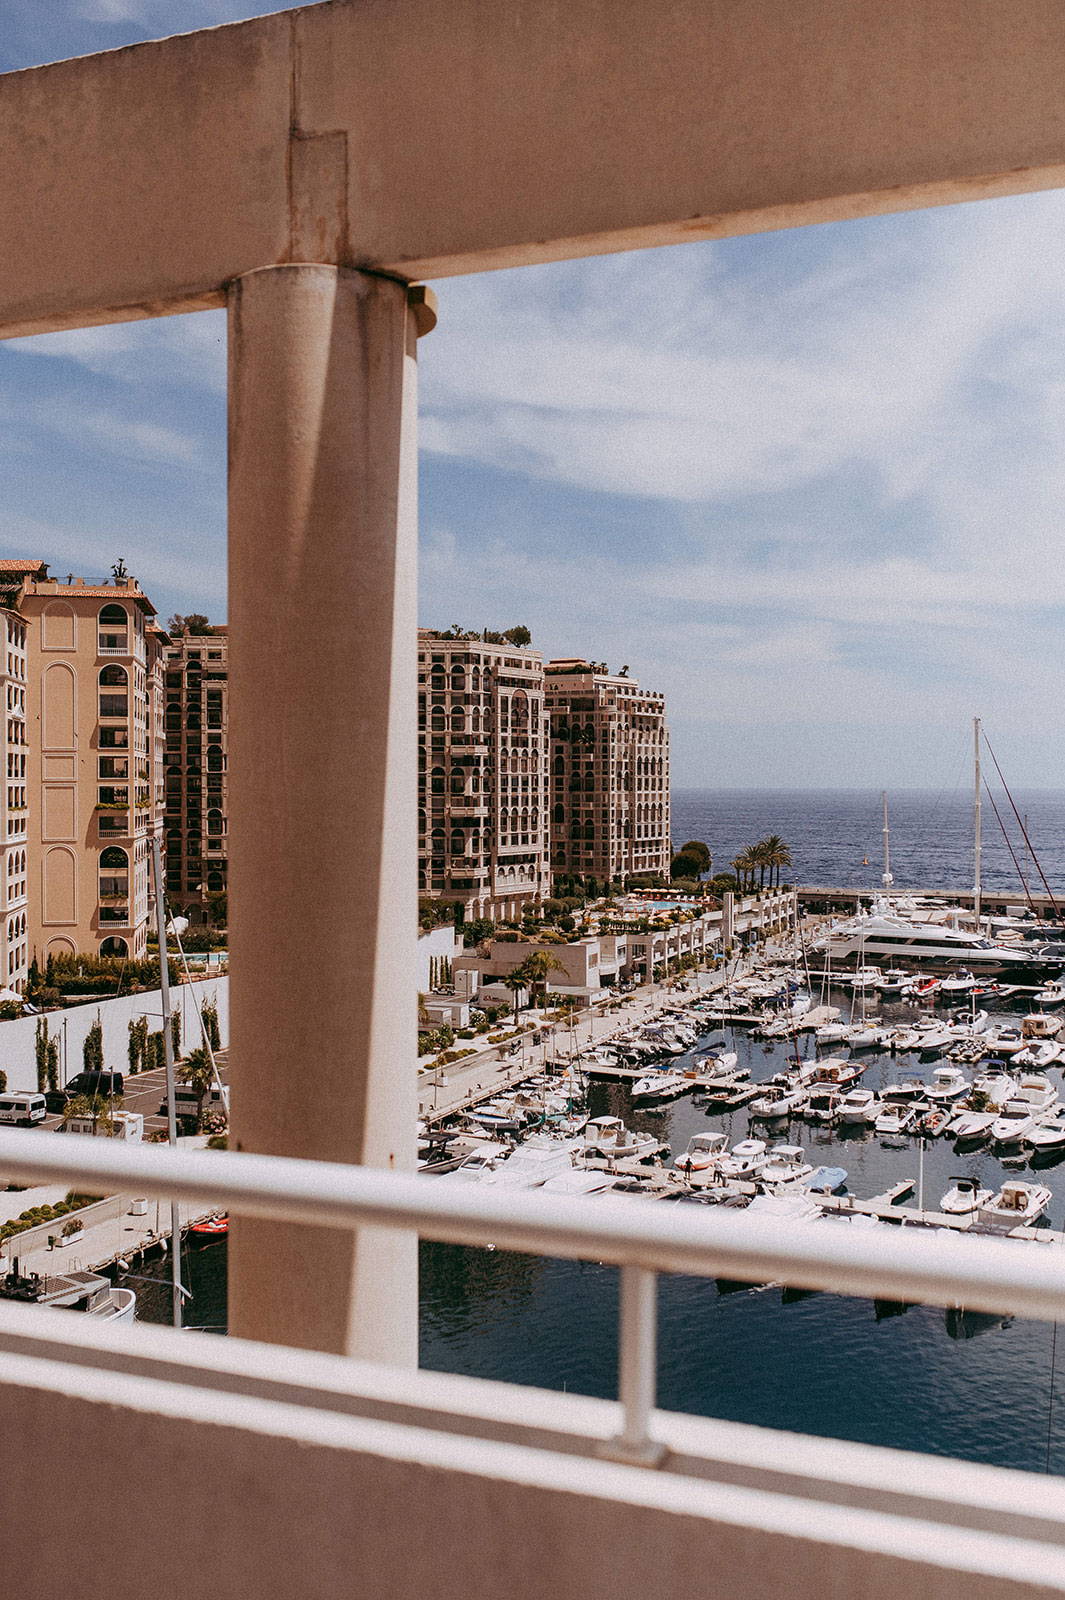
(1039, 1053)
(1053, 994)
(787, 1164)
(1015, 1122)
(1041, 1025)
(532, 1163)
(827, 1180)
(499, 1116)
(948, 1084)
(823, 1106)
(1050, 1134)
(745, 1160)
(469, 1170)
(908, 1091)
(925, 987)
(837, 1073)
(863, 978)
(579, 1180)
(609, 1137)
(895, 984)
(858, 1108)
(88, 1292)
(969, 1025)
(602, 1055)
(931, 1123)
(896, 1120)
(778, 1102)
(785, 1207)
(832, 1032)
(934, 1037)
(958, 985)
(964, 1197)
(1005, 1041)
(903, 1039)
(1015, 1205)
(705, 1151)
(660, 1086)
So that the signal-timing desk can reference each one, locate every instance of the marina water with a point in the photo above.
(980, 1388)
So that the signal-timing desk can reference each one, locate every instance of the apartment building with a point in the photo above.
(93, 661)
(482, 753)
(196, 725)
(609, 756)
(14, 930)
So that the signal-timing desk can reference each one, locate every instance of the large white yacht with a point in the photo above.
(884, 933)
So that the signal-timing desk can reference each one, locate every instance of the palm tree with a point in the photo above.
(515, 981)
(536, 968)
(778, 856)
(197, 1072)
(745, 866)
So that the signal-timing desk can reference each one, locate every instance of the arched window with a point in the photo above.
(113, 676)
(114, 701)
(559, 814)
(215, 760)
(436, 780)
(214, 822)
(113, 630)
(113, 946)
(458, 680)
(439, 721)
(114, 859)
(519, 712)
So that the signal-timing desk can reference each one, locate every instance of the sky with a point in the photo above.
(809, 484)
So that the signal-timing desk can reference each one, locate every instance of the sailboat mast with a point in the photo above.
(888, 880)
(976, 821)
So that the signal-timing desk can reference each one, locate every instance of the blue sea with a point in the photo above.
(978, 1388)
(836, 835)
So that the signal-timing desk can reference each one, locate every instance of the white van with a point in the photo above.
(23, 1109)
(186, 1102)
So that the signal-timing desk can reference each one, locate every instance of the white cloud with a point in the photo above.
(185, 350)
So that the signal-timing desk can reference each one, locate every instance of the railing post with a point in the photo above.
(637, 1368)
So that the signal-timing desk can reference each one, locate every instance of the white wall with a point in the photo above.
(440, 942)
(17, 1038)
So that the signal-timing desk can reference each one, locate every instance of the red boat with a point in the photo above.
(211, 1227)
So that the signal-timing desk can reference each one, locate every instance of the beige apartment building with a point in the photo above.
(14, 930)
(196, 731)
(482, 775)
(609, 773)
(92, 705)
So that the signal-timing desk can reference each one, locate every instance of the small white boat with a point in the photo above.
(745, 1160)
(609, 1137)
(948, 1084)
(787, 1164)
(896, 1120)
(661, 1086)
(778, 1102)
(532, 1163)
(903, 1039)
(786, 1207)
(964, 1197)
(823, 1106)
(831, 1032)
(1050, 1135)
(934, 1037)
(1015, 1205)
(580, 1180)
(962, 983)
(1040, 1053)
(1052, 995)
(858, 1108)
(1014, 1123)
(1005, 1042)
(705, 1151)
(864, 978)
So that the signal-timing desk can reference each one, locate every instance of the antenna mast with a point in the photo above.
(887, 879)
(976, 822)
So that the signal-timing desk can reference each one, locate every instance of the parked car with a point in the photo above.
(108, 1084)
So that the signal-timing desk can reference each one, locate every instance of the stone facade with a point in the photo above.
(609, 773)
(196, 730)
(482, 753)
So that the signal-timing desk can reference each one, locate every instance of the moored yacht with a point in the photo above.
(1016, 1205)
(885, 934)
(964, 1197)
(787, 1164)
(705, 1151)
(858, 1108)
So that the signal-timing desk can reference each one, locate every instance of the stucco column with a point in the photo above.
(323, 731)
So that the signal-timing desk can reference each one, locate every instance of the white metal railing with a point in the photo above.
(1004, 1277)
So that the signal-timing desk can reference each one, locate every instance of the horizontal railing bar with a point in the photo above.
(998, 1276)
